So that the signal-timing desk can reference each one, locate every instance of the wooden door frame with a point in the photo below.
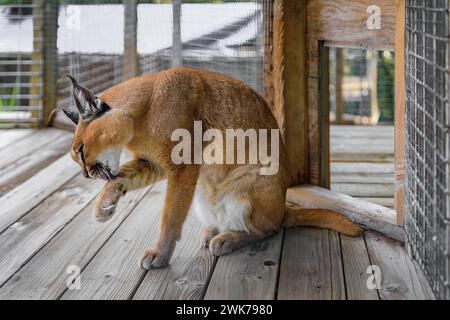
(316, 19)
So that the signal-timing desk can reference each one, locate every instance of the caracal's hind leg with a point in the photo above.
(132, 175)
(208, 233)
(253, 210)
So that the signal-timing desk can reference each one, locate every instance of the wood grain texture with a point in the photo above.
(115, 272)
(385, 202)
(401, 278)
(20, 170)
(45, 275)
(400, 106)
(248, 274)
(289, 69)
(346, 22)
(28, 235)
(356, 261)
(311, 266)
(189, 271)
(9, 136)
(363, 178)
(16, 203)
(368, 215)
(362, 168)
(23, 147)
(364, 190)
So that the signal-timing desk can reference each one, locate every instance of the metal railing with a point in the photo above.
(21, 65)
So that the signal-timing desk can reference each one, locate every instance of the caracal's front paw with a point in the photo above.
(154, 258)
(106, 203)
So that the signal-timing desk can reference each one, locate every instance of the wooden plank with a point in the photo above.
(356, 261)
(12, 135)
(22, 169)
(22, 147)
(351, 142)
(355, 131)
(361, 156)
(45, 275)
(289, 82)
(25, 237)
(362, 167)
(364, 190)
(345, 21)
(114, 273)
(189, 271)
(401, 278)
(16, 203)
(368, 215)
(400, 106)
(363, 178)
(311, 266)
(250, 273)
(362, 149)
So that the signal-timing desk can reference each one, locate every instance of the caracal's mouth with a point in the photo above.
(103, 172)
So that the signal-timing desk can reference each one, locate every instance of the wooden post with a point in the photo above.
(400, 106)
(177, 45)
(130, 55)
(339, 94)
(289, 82)
(45, 26)
(268, 51)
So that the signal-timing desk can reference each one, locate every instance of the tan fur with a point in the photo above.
(145, 112)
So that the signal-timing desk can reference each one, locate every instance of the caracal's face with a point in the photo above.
(92, 148)
(94, 160)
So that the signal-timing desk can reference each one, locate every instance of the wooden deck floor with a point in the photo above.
(362, 162)
(47, 234)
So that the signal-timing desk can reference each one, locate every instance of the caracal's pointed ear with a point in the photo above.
(89, 106)
(72, 113)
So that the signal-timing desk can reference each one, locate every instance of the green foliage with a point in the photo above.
(385, 85)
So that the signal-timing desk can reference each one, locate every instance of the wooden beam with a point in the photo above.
(289, 82)
(45, 29)
(368, 215)
(130, 56)
(177, 44)
(268, 52)
(400, 105)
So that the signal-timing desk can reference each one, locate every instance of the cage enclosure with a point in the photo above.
(359, 90)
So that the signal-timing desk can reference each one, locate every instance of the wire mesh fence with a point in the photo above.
(428, 140)
(102, 43)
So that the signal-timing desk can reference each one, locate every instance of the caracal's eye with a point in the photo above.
(81, 152)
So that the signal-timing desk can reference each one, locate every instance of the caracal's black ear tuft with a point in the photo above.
(89, 106)
(72, 113)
